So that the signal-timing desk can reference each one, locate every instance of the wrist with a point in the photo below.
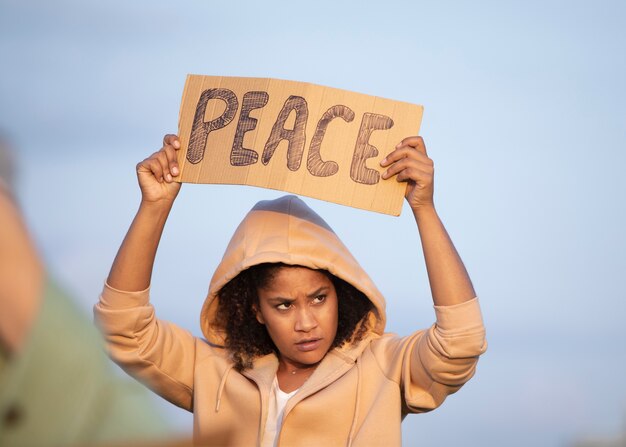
(424, 211)
(156, 208)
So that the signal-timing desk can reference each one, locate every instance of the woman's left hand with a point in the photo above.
(410, 162)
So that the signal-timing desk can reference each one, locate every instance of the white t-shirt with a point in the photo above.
(276, 411)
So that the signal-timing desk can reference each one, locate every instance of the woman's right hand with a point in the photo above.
(157, 172)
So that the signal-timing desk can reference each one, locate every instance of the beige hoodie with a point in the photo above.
(359, 393)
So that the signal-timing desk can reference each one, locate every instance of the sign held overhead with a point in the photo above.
(297, 137)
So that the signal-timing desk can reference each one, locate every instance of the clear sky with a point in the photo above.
(525, 118)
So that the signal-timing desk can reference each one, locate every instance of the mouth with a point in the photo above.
(309, 344)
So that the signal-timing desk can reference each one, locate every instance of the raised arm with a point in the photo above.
(135, 338)
(449, 282)
(132, 268)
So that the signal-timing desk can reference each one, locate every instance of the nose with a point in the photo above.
(305, 321)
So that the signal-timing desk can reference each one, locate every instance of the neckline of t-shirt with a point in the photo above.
(282, 394)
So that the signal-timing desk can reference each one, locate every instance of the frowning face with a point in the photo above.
(298, 306)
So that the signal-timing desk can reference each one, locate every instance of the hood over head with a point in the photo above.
(286, 230)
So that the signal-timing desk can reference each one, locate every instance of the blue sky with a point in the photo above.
(525, 112)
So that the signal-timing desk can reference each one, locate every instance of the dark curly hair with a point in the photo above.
(247, 339)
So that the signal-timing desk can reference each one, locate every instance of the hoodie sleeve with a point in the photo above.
(157, 353)
(431, 364)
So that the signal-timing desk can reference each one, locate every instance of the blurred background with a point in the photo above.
(525, 113)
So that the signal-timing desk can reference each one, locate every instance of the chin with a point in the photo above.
(310, 358)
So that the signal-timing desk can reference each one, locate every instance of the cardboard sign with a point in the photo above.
(297, 137)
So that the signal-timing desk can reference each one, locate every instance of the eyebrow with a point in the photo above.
(318, 291)
(279, 299)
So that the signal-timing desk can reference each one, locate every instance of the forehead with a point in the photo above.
(292, 277)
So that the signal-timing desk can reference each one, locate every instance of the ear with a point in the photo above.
(258, 314)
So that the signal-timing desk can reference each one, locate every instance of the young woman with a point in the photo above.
(295, 350)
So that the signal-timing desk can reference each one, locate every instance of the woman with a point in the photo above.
(295, 350)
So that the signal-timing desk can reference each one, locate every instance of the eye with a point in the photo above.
(319, 299)
(284, 306)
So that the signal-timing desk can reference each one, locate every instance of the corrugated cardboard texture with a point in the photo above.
(297, 137)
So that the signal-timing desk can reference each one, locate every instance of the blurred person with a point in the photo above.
(57, 386)
(295, 350)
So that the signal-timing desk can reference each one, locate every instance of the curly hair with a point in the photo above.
(247, 339)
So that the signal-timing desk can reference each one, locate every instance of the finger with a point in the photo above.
(171, 140)
(409, 165)
(152, 166)
(172, 161)
(421, 178)
(405, 152)
(416, 142)
(164, 161)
